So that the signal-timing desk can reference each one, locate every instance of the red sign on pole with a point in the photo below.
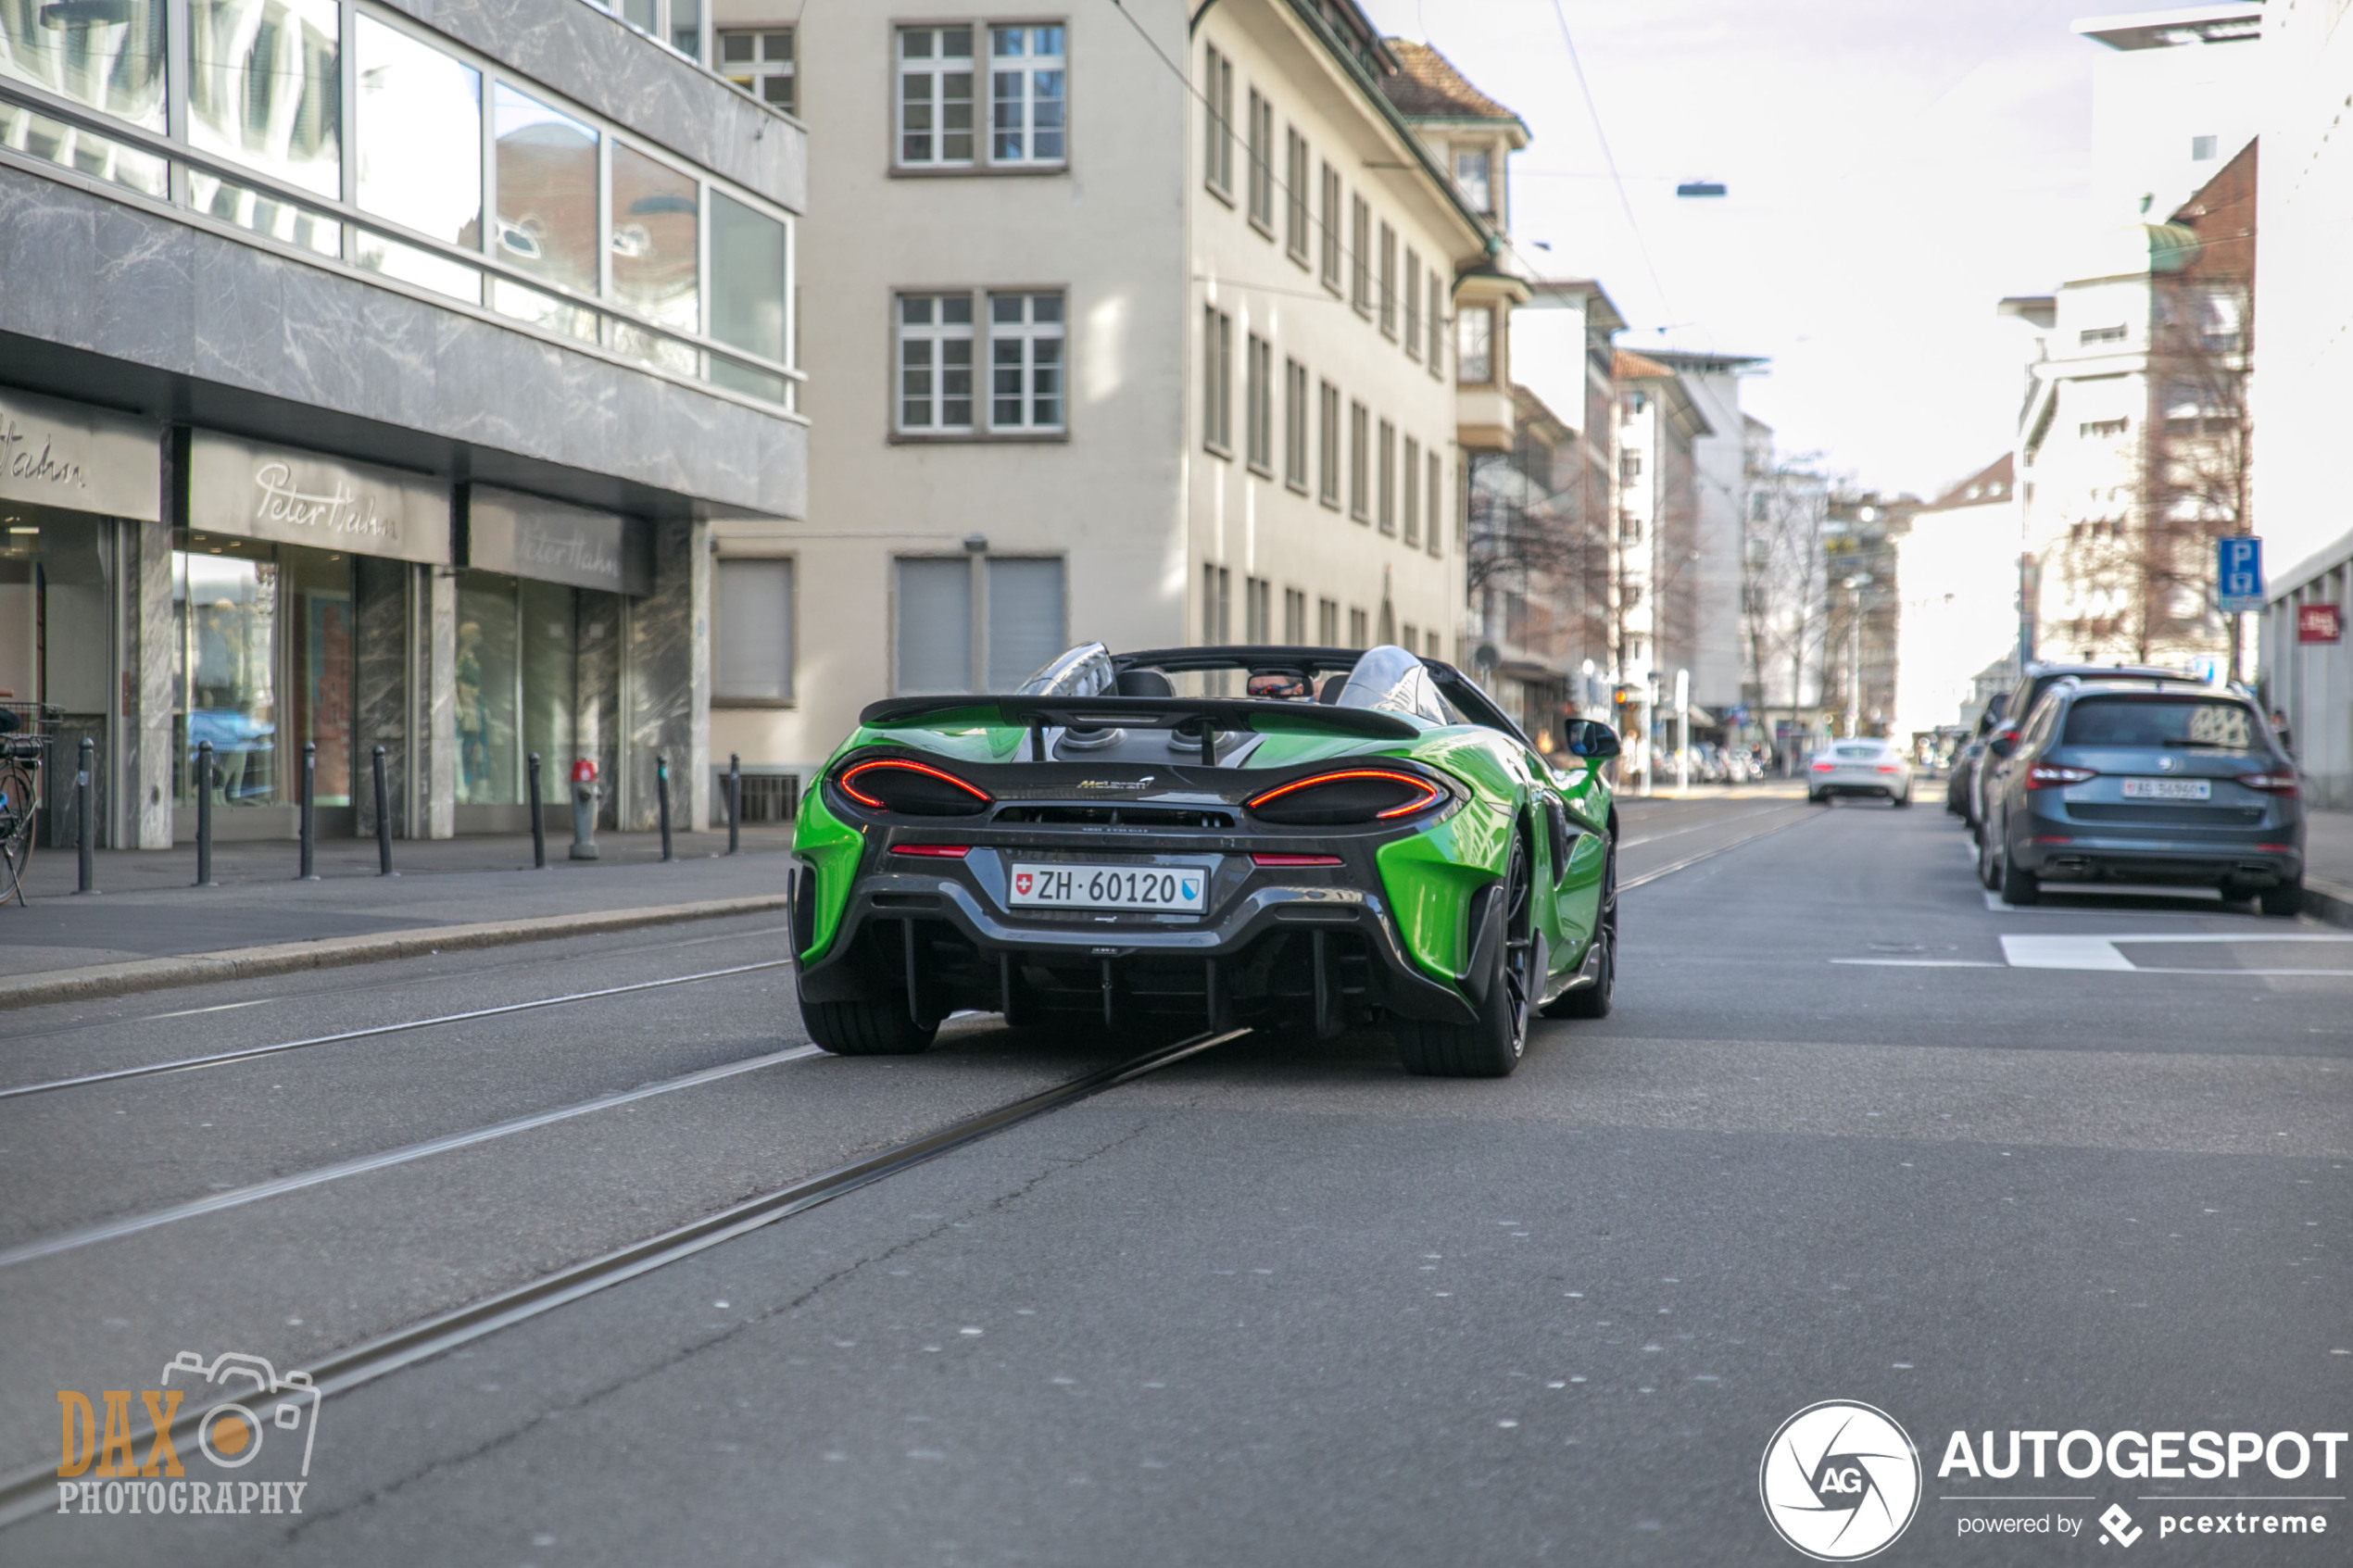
(2319, 624)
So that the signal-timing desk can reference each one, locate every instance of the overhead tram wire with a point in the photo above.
(1609, 157)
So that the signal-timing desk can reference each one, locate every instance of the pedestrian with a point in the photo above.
(2279, 728)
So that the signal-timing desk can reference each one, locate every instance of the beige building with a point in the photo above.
(1123, 334)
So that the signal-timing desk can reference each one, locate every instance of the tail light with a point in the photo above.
(1823, 767)
(2051, 776)
(1286, 860)
(1890, 767)
(1345, 794)
(2269, 784)
(937, 851)
(914, 790)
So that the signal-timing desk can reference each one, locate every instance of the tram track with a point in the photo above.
(30, 1490)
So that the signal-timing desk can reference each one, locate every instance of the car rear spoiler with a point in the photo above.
(1231, 715)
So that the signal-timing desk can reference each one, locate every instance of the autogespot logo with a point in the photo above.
(1840, 1481)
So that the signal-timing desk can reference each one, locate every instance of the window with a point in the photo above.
(1026, 618)
(1332, 228)
(2201, 149)
(1629, 467)
(752, 640)
(546, 164)
(1028, 103)
(1327, 445)
(1258, 412)
(419, 147)
(1218, 154)
(761, 63)
(934, 363)
(751, 294)
(1360, 499)
(1216, 605)
(2100, 430)
(1412, 303)
(1295, 195)
(677, 22)
(1294, 617)
(1436, 324)
(1410, 639)
(1026, 361)
(2090, 335)
(1356, 627)
(1327, 624)
(1258, 610)
(1217, 380)
(1413, 493)
(1433, 649)
(936, 97)
(935, 609)
(1388, 280)
(1472, 171)
(1360, 237)
(264, 90)
(1474, 345)
(657, 263)
(1629, 529)
(1295, 425)
(1262, 163)
(940, 599)
(1437, 511)
(1388, 477)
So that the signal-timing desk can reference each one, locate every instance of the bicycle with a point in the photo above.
(21, 760)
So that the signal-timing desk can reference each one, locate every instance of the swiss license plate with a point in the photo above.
(2169, 789)
(1180, 889)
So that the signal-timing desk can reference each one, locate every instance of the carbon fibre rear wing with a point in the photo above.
(1212, 715)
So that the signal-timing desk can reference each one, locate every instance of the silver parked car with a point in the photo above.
(2181, 783)
(1864, 766)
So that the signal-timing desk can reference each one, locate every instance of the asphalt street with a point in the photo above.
(1853, 1132)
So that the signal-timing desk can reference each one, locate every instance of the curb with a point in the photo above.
(288, 957)
(2329, 901)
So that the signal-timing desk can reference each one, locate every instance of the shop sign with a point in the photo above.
(549, 542)
(83, 459)
(2319, 624)
(296, 498)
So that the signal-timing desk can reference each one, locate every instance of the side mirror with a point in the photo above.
(2003, 743)
(1589, 739)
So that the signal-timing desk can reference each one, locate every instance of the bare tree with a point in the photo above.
(1783, 606)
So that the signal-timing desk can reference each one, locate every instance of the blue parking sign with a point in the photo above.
(2240, 573)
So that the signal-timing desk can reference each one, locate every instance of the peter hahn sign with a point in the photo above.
(295, 497)
(550, 542)
(85, 460)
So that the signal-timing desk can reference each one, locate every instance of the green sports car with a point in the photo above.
(1350, 837)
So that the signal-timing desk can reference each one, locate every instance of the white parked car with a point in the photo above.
(1858, 766)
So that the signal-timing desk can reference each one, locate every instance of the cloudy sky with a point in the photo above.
(1895, 167)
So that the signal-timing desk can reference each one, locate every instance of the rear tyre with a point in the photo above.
(2019, 886)
(1989, 873)
(1903, 800)
(867, 1028)
(1492, 1044)
(1817, 797)
(1594, 1001)
(2282, 899)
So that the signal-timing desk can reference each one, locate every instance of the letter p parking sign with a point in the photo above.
(2239, 573)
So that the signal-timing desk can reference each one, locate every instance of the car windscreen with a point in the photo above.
(1860, 750)
(2160, 720)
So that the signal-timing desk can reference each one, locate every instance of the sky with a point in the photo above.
(1895, 167)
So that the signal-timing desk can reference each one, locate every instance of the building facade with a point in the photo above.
(1135, 336)
(370, 377)
(1956, 587)
(1718, 507)
(1655, 580)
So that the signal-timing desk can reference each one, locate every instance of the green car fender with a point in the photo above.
(829, 849)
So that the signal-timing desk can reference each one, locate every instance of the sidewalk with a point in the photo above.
(147, 906)
(2328, 866)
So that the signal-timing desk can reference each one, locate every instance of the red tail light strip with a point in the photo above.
(938, 851)
(1432, 793)
(1295, 860)
(850, 788)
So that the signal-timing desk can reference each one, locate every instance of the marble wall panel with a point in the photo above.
(147, 620)
(596, 673)
(592, 58)
(380, 618)
(666, 682)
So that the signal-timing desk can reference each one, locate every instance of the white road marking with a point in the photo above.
(1923, 963)
(69, 1241)
(2102, 952)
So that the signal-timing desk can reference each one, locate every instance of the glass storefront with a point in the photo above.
(263, 663)
(516, 685)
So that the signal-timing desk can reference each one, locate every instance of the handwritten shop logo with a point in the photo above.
(22, 461)
(339, 512)
(1840, 1481)
(536, 545)
(251, 1443)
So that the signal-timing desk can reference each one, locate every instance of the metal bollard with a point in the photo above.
(309, 808)
(538, 828)
(384, 819)
(661, 799)
(85, 818)
(734, 801)
(203, 814)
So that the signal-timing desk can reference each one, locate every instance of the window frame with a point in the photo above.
(1328, 271)
(1258, 405)
(1328, 445)
(1297, 221)
(1217, 382)
(1436, 324)
(985, 125)
(1385, 482)
(984, 427)
(1385, 285)
(983, 163)
(1260, 151)
(974, 161)
(1217, 106)
(1411, 334)
(1410, 465)
(1360, 458)
(978, 649)
(1437, 502)
(1029, 332)
(1360, 270)
(760, 64)
(1296, 422)
(938, 396)
(1464, 317)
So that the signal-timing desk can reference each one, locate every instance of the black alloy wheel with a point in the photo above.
(1490, 1046)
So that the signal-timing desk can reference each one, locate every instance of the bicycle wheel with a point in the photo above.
(16, 828)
